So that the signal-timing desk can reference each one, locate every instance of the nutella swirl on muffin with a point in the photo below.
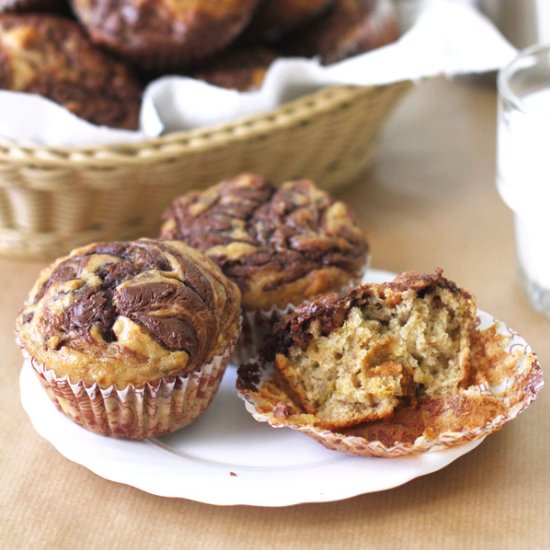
(158, 35)
(51, 56)
(280, 245)
(127, 313)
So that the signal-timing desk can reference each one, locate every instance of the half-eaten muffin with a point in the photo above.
(354, 359)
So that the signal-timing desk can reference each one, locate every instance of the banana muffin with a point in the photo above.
(280, 245)
(355, 358)
(51, 56)
(32, 5)
(349, 28)
(242, 69)
(131, 339)
(161, 35)
(274, 18)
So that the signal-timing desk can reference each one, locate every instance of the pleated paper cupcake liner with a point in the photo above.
(156, 408)
(256, 328)
(508, 379)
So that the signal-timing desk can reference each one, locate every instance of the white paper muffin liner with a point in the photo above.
(508, 380)
(159, 407)
(256, 327)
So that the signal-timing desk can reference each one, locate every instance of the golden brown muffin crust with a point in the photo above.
(50, 56)
(166, 32)
(129, 313)
(280, 245)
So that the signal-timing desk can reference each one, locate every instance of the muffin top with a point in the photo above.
(280, 245)
(186, 30)
(129, 313)
(51, 56)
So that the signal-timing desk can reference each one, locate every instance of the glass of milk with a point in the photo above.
(523, 165)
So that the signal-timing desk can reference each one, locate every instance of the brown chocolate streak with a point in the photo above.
(282, 224)
(191, 328)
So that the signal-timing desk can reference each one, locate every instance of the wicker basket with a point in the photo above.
(53, 199)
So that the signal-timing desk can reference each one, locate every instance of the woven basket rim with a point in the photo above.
(175, 144)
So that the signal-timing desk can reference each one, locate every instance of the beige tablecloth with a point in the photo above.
(429, 201)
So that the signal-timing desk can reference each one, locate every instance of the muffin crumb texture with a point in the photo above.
(356, 359)
(392, 369)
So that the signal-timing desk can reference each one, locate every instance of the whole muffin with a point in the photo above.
(276, 17)
(32, 5)
(131, 339)
(349, 28)
(280, 245)
(161, 35)
(51, 56)
(242, 69)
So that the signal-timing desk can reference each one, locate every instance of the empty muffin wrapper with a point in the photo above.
(157, 407)
(507, 379)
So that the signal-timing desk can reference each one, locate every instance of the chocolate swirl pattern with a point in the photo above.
(280, 245)
(129, 313)
(51, 56)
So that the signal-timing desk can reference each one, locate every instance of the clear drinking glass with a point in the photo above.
(523, 165)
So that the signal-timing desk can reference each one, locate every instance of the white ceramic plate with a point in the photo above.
(226, 457)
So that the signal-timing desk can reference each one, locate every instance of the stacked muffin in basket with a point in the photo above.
(94, 56)
(131, 339)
